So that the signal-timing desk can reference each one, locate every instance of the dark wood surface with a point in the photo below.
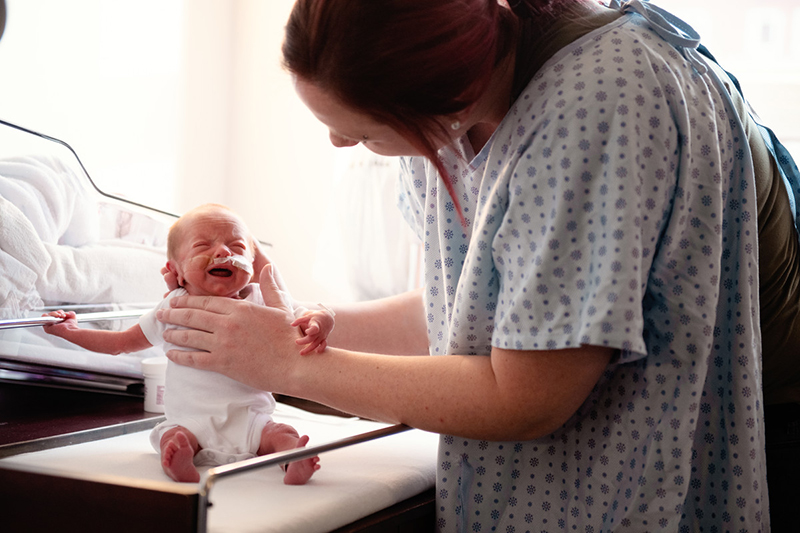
(29, 412)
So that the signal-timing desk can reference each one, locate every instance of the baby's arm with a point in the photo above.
(316, 326)
(111, 342)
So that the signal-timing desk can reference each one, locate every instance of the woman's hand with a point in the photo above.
(260, 260)
(247, 342)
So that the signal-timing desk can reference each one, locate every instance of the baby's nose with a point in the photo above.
(222, 251)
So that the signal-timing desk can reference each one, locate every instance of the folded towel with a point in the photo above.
(23, 259)
(17, 291)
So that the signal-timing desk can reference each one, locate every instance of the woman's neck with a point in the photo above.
(492, 107)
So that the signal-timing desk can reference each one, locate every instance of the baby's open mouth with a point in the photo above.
(224, 266)
(221, 272)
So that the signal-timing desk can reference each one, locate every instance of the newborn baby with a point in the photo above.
(210, 418)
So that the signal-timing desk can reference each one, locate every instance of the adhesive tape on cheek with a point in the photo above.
(238, 261)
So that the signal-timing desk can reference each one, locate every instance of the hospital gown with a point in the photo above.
(613, 206)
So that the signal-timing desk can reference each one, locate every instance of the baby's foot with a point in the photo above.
(298, 472)
(177, 459)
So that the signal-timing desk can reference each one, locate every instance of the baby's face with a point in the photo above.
(215, 257)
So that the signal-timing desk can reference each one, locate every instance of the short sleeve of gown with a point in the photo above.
(586, 205)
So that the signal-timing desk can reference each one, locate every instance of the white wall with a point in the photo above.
(176, 103)
(83, 71)
(281, 162)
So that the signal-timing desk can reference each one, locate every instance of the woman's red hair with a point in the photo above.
(406, 63)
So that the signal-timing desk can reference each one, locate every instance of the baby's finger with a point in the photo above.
(311, 347)
(307, 350)
(322, 346)
(300, 321)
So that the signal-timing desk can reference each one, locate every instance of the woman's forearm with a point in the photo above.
(393, 325)
(512, 395)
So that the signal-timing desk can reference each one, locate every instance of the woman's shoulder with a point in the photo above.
(604, 58)
(601, 76)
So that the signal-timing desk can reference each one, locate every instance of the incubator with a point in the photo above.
(65, 244)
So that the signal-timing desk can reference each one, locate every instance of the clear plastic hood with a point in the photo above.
(65, 244)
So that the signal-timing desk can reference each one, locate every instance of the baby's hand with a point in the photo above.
(59, 329)
(316, 326)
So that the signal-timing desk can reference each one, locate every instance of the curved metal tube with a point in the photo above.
(84, 317)
(212, 475)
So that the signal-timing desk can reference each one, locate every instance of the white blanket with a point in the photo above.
(58, 203)
(352, 482)
(18, 266)
(52, 250)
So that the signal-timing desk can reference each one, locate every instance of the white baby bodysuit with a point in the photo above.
(226, 417)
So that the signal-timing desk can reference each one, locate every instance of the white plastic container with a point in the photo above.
(154, 370)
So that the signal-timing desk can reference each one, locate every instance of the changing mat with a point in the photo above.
(352, 482)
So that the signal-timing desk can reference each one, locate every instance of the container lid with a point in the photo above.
(154, 365)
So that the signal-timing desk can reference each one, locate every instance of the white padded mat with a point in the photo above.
(352, 483)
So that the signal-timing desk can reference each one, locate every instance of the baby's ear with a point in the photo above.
(173, 269)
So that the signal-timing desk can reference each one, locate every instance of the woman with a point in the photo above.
(586, 198)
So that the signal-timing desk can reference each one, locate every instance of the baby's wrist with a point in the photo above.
(326, 308)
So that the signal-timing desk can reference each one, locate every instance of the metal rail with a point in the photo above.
(212, 475)
(84, 317)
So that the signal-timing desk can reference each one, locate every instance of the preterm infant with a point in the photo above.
(210, 418)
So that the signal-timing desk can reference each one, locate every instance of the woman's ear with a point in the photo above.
(458, 122)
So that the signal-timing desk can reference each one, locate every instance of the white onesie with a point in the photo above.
(226, 417)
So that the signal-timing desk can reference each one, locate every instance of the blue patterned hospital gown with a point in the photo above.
(614, 206)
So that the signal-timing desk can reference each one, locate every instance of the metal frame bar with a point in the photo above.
(86, 172)
(12, 323)
(79, 437)
(212, 475)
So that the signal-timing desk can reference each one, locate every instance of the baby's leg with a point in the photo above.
(178, 448)
(279, 437)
